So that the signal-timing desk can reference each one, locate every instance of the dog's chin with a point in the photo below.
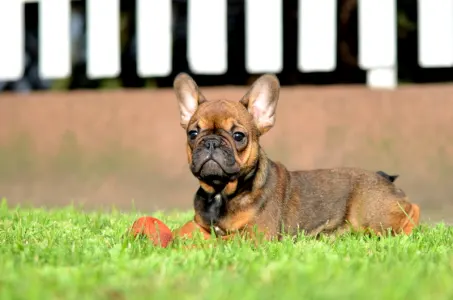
(213, 174)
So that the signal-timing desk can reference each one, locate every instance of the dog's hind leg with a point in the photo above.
(412, 219)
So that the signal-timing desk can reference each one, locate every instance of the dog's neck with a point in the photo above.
(252, 180)
(213, 206)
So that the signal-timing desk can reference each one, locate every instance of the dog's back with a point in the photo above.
(327, 200)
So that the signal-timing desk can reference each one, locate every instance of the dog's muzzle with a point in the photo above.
(214, 158)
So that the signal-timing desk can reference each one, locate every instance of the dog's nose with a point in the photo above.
(211, 144)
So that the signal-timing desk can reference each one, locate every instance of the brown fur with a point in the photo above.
(264, 194)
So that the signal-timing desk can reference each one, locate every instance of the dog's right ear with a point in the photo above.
(261, 101)
(189, 97)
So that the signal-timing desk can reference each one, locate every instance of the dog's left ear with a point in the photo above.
(189, 97)
(261, 101)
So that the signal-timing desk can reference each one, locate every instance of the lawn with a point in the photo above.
(70, 254)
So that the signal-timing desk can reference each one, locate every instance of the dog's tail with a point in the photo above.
(390, 178)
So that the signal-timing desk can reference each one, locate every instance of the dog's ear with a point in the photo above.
(261, 101)
(188, 96)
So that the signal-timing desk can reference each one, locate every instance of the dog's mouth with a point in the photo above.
(212, 172)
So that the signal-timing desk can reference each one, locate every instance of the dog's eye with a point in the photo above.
(193, 134)
(238, 136)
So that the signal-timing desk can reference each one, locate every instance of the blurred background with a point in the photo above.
(87, 114)
(347, 69)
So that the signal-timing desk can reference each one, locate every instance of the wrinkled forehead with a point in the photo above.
(222, 114)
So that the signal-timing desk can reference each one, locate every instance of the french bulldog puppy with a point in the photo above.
(243, 191)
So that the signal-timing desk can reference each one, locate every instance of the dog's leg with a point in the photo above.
(402, 218)
(411, 218)
(382, 212)
(188, 231)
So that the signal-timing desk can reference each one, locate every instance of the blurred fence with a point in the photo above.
(208, 38)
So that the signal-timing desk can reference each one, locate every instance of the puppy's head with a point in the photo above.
(223, 135)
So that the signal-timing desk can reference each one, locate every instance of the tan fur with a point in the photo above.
(267, 196)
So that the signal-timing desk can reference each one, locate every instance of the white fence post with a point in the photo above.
(264, 36)
(377, 42)
(317, 40)
(103, 38)
(435, 33)
(154, 38)
(207, 36)
(54, 39)
(12, 39)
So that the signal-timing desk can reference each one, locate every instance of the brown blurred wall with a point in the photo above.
(126, 149)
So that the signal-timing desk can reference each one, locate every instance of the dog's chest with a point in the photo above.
(223, 215)
(212, 209)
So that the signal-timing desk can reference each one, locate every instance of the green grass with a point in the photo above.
(70, 254)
